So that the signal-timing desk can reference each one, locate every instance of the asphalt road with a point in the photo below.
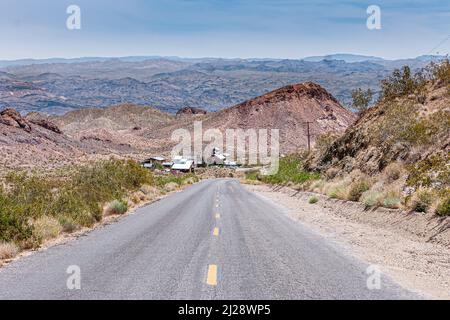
(214, 240)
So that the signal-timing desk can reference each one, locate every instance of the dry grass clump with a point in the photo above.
(8, 250)
(393, 172)
(116, 207)
(317, 186)
(46, 228)
(357, 188)
(371, 198)
(391, 199)
(171, 186)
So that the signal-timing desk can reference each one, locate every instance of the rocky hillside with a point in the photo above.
(401, 130)
(398, 152)
(288, 109)
(27, 143)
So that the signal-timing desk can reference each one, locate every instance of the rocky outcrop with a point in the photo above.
(12, 118)
(191, 111)
(40, 120)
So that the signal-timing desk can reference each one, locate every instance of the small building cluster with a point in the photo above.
(187, 164)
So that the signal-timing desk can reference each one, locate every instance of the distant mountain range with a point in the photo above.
(56, 86)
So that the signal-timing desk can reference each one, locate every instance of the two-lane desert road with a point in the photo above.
(214, 240)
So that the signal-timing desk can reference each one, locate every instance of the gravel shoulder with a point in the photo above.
(413, 249)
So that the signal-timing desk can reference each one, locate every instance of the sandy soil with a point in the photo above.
(413, 249)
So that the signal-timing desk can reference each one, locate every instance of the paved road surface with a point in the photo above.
(214, 240)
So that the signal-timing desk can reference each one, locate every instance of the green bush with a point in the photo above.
(252, 175)
(402, 83)
(443, 208)
(76, 199)
(290, 171)
(432, 171)
(313, 200)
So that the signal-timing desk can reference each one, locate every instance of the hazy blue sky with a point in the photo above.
(221, 28)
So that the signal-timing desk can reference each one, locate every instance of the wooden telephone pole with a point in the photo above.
(308, 134)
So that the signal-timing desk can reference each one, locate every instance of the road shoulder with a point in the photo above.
(395, 241)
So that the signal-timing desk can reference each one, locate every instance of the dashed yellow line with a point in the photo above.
(216, 232)
(212, 275)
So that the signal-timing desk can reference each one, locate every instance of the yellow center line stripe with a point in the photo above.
(216, 232)
(212, 275)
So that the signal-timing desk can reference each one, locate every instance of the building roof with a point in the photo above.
(219, 156)
(183, 165)
(158, 158)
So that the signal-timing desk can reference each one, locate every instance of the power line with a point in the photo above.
(439, 44)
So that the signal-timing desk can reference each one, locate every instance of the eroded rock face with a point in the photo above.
(43, 122)
(12, 118)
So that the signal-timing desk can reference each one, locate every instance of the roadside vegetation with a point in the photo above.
(289, 172)
(35, 207)
(410, 120)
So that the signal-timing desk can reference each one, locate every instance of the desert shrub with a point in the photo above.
(67, 224)
(32, 193)
(443, 209)
(324, 141)
(313, 200)
(432, 171)
(393, 171)
(422, 200)
(317, 185)
(116, 207)
(252, 175)
(64, 203)
(46, 227)
(338, 192)
(440, 71)
(361, 99)
(357, 188)
(371, 199)
(401, 83)
(391, 199)
(163, 180)
(71, 205)
(290, 171)
(8, 250)
(14, 226)
(171, 186)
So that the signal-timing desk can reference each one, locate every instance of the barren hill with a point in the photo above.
(287, 109)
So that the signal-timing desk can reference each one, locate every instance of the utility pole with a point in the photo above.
(308, 134)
